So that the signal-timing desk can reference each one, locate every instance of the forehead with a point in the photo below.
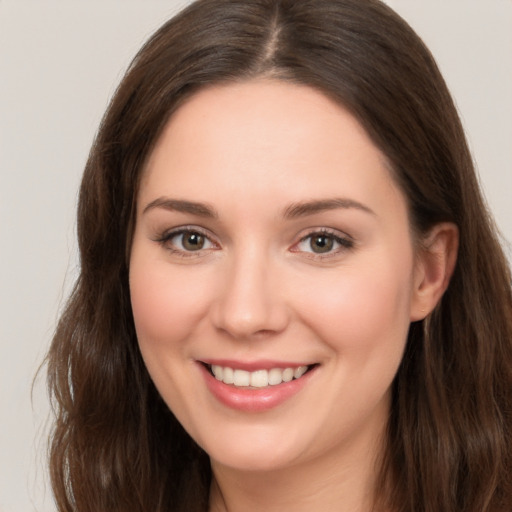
(265, 137)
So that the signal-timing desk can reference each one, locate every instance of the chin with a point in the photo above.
(251, 460)
(256, 449)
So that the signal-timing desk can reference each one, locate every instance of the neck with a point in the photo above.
(331, 482)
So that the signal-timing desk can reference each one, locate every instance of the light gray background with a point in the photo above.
(59, 64)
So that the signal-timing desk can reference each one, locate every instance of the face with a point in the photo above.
(271, 275)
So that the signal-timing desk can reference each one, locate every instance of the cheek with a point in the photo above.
(363, 309)
(166, 308)
(166, 305)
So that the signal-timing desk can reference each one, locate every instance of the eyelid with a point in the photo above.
(345, 241)
(168, 234)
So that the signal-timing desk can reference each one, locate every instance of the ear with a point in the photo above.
(435, 263)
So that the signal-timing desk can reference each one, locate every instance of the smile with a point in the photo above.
(259, 378)
(258, 387)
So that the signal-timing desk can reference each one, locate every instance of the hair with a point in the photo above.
(115, 444)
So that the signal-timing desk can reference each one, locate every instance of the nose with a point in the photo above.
(250, 302)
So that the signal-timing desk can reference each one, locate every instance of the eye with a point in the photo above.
(191, 241)
(186, 240)
(323, 242)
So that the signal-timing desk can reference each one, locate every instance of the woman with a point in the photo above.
(291, 293)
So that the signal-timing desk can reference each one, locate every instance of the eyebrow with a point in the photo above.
(303, 209)
(179, 205)
(293, 211)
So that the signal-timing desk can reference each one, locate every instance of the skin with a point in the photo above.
(257, 290)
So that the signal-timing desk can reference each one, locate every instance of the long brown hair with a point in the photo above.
(115, 445)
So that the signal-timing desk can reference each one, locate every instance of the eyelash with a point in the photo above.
(345, 242)
(166, 237)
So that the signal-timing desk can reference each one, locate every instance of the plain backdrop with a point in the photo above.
(59, 64)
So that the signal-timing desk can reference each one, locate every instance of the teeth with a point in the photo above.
(300, 371)
(275, 376)
(241, 378)
(288, 374)
(228, 376)
(258, 378)
(217, 371)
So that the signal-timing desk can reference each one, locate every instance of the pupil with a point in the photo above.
(321, 243)
(193, 241)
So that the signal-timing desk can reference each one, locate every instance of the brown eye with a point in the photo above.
(192, 241)
(324, 243)
(321, 243)
(185, 241)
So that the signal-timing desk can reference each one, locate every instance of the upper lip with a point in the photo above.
(251, 366)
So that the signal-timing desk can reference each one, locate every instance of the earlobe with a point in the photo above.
(435, 263)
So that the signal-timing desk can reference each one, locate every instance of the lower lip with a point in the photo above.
(257, 399)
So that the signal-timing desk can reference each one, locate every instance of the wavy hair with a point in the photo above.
(115, 445)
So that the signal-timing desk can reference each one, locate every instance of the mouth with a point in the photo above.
(260, 378)
(255, 387)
